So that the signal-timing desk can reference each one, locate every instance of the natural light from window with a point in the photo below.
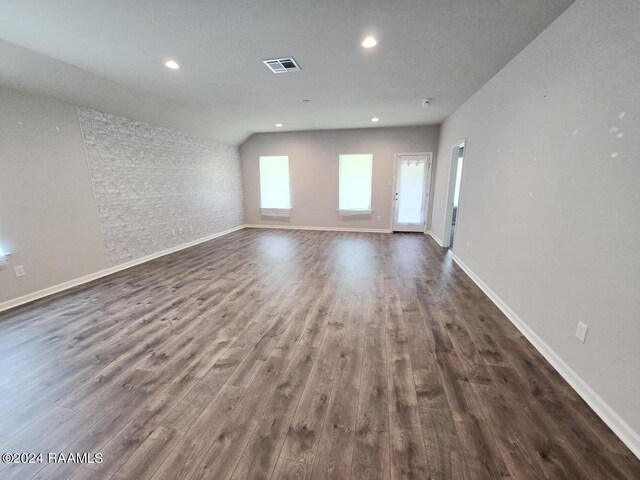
(355, 175)
(274, 183)
(456, 193)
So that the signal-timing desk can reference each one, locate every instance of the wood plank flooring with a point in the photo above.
(291, 355)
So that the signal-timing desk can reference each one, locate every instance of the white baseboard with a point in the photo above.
(323, 229)
(620, 427)
(30, 297)
(432, 235)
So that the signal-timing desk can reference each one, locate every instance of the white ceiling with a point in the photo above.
(438, 48)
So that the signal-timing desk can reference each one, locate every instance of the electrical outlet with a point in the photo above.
(581, 331)
(20, 272)
(180, 230)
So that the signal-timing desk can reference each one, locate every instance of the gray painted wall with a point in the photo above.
(149, 183)
(47, 212)
(313, 171)
(550, 204)
(157, 188)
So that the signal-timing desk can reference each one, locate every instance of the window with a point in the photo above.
(355, 174)
(274, 184)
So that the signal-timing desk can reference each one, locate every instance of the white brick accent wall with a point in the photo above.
(157, 188)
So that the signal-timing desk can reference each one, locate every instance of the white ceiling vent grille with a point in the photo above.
(282, 65)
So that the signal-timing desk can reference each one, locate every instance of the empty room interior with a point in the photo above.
(304, 239)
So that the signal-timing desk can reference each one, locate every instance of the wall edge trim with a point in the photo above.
(433, 235)
(615, 422)
(45, 292)
(322, 229)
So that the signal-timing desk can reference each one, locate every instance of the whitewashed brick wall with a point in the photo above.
(156, 188)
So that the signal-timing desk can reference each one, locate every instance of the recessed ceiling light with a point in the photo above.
(278, 124)
(172, 64)
(369, 42)
(306, 101)
(375, 119)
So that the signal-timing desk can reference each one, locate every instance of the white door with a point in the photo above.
(413, 171)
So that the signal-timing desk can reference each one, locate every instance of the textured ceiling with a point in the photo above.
(438, 48)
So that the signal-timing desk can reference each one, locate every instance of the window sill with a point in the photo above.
(276, 212)
(355, 212)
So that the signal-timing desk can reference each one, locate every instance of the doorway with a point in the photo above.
(411, 194)
(453, 196)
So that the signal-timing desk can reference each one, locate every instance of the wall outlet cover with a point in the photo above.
(581, 331)
(20, 271)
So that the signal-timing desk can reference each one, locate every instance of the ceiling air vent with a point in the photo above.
(282, 65)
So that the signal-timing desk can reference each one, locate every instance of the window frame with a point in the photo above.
(355, 211)
(275, 211)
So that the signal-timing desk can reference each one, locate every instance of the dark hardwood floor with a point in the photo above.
(291, 355)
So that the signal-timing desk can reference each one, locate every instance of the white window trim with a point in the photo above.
(355, 212)
(276, 212)
(350, 211)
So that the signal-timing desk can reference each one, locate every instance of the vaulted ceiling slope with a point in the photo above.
(110, 55)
